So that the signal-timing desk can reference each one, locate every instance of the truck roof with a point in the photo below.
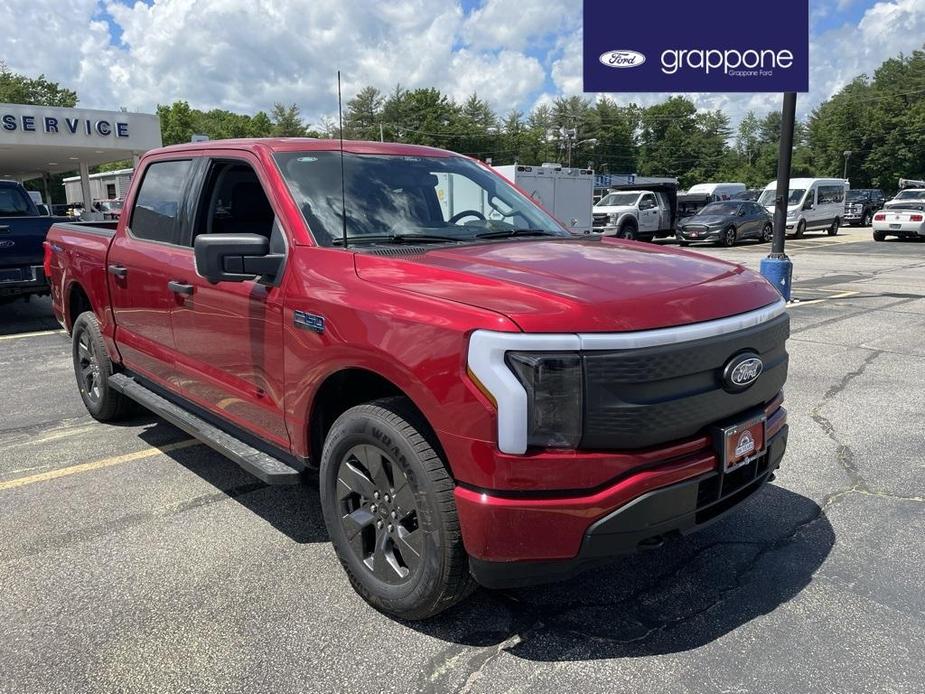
(307, 144)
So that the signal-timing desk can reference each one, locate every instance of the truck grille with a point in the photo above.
(600, 219)
(645, 397)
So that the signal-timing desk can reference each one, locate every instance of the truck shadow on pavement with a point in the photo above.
(293, 510)
(18, 316)
(682, 596)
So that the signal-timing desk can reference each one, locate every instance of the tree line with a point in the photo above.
(879, 119)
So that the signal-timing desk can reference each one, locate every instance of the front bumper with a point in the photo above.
(517, 542)
(701, 235)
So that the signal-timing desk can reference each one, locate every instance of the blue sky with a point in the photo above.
(244, 55)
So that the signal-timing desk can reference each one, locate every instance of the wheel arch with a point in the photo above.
(77, 300)
(348, 387)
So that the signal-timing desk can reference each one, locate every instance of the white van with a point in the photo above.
(719, 191)
(813, 203)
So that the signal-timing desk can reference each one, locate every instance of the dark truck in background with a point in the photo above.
(22, 232)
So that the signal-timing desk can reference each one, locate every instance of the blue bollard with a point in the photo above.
(779, 272)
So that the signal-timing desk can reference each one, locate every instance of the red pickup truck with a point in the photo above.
(484, 397)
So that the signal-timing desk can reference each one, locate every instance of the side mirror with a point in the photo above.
(236, 258)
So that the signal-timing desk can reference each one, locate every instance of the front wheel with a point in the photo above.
(767, 233)
(93, 367)
(728, 237)
(388, 506)
(801, 229)
(629, 232)
(833, 229)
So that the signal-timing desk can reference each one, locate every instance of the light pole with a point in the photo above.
(847, 157)
(777, 267)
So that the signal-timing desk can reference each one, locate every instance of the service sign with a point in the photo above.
(705, 46)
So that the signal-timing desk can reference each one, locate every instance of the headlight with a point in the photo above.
(612, 218)
(553, 384)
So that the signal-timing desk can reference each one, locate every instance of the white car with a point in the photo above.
(905, 220)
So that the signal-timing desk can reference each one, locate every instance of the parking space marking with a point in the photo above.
(98, 464)
(840, 295)
(37, 333)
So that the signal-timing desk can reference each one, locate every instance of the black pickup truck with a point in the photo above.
(860, 206)
(22, 231)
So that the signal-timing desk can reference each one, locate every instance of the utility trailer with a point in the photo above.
(567, 193)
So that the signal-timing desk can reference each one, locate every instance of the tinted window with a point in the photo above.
(157, 208)
(830, 194)
(13, 203)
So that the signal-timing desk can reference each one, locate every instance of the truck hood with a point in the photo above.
(613, 209)
(563, 285)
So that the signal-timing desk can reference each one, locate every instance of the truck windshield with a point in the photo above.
(768, 197)
(854, 195)
(618, 200)
(437, 199)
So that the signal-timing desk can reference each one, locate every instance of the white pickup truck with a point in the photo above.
(641, 212)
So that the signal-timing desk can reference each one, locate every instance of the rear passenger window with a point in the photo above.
(157, 207)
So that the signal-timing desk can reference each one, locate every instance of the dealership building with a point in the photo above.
(36, 141)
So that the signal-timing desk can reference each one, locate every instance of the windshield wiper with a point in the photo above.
(397, 238)
(507, 233)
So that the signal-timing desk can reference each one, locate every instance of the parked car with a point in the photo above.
(725, 223)
(812, 203)
(860, 206)
(477, 396)
(752, 194)
(22, 231)
(903, 216)
(638, 212)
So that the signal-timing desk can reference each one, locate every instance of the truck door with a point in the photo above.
(648, 213)
(140, 262)
(229, 335)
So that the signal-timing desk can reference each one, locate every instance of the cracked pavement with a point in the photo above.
(175, 571)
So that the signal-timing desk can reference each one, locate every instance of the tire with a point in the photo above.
(879, 236)
(92, 369)
(728, 238)
(629, 231)
(833, 229)
(801, 229)
(767, 234)
(414, 566)
(868, 219)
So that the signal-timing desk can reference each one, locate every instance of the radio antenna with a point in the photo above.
(343, 187)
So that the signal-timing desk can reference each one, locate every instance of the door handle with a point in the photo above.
(179, 287)
(119, 271)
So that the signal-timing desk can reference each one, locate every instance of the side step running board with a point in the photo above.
(263, 466)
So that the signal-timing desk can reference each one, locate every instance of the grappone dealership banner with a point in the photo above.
(706, 46)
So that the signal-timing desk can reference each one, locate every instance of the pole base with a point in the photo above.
(779, 272)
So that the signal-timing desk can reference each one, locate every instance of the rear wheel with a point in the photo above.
(388, 506)
(93, 367)
(879, 236)
(833, 229)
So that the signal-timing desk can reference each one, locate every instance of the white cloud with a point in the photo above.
(245, 55)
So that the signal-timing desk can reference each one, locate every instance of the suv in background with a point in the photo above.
(860, 206)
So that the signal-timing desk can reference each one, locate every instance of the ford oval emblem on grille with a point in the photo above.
(742, 371)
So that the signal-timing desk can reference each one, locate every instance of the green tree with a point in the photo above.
(363, 116)
(37, 91)
(287, 121)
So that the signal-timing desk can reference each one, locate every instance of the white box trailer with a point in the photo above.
(567, 193)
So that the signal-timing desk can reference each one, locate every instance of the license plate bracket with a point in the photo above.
(740, 443)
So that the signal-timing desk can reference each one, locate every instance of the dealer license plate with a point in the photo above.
(739, 444)
(896, 226)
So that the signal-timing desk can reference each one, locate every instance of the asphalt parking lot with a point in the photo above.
(132, 559)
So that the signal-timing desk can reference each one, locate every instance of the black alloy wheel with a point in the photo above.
(378, 514)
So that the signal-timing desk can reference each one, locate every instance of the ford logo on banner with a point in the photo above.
(710, 46)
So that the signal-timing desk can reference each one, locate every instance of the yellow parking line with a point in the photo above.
(37, 333)
(97, 464)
